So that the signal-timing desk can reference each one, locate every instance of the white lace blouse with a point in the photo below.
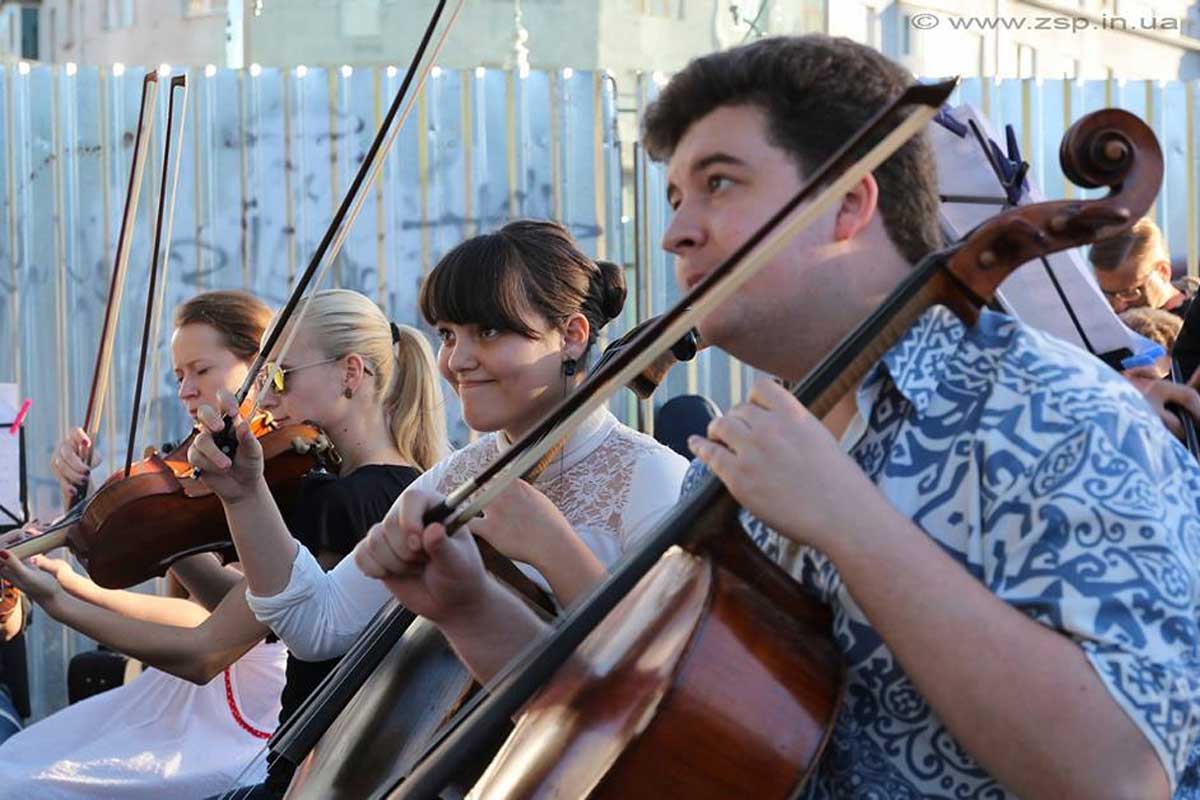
(611, 483)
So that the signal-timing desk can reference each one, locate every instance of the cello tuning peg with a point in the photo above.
(1115, 150)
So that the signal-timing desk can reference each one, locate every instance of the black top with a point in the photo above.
(332, 515)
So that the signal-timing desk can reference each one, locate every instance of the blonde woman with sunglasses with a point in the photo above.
(372, 386)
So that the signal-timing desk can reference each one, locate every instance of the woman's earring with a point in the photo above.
(569, 367)
(347, 393)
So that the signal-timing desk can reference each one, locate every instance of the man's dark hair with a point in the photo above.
(816, 92)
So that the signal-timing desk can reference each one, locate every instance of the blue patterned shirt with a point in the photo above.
(1046, 475)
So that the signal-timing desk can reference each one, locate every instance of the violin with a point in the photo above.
(701, 669)
(137, 524)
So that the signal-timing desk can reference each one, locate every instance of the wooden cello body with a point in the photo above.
(391, 720)
(718, 640)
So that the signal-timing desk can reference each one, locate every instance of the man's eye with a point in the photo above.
(202, 371)
(445, 335)
(489, 333)
(718, 182)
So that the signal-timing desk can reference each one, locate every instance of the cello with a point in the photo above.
(668, 679)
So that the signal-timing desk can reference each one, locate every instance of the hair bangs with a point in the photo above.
(478, 283)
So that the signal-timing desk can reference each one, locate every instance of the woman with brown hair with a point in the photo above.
(158, 728)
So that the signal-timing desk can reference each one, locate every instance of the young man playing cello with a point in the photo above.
(1015, 586)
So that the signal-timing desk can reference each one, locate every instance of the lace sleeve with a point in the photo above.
(654, 490)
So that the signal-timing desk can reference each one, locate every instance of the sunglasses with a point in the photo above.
(275, 377)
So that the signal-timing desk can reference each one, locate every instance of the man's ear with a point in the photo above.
(1163, 267)
(857, 209)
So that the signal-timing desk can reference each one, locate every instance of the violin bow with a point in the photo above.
(339, 227)
(116, 287)
(166, 202)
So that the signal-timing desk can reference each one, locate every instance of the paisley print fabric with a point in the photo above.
(1049, 479)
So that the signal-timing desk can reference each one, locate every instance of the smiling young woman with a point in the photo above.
(517, 312)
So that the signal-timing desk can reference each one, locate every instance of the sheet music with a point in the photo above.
(10, 455)
(1028, 293)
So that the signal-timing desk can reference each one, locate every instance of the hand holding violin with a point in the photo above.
(231, 480)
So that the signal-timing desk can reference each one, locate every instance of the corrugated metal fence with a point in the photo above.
(267, 157)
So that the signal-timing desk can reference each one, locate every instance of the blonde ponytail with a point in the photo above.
(407, 389)
(413, 402)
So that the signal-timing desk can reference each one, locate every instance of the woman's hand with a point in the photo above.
(68, 462)
(38, 584)
(61, 571)
(437, 576)
(230, 480)
(523, 524)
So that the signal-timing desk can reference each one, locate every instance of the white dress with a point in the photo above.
(157, 736)
(611, 483)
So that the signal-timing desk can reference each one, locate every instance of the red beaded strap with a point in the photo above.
(237, 715)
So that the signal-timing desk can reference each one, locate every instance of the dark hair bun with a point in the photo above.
(612, 289)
